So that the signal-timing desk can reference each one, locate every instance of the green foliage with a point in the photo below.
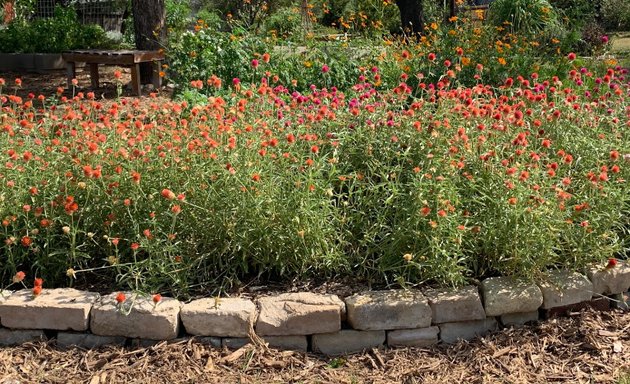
(178, 15)
(527, 17)
(615, 15)
(285, 23)
(59, 33)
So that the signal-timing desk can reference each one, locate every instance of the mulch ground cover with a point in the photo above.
(587, 347)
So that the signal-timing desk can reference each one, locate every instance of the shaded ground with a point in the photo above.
(590, 347)
(46, 84)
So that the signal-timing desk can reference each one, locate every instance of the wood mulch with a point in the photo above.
(590, 347)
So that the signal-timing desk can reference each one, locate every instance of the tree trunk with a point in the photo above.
(411, 16)
(149, 30)
(9, 12)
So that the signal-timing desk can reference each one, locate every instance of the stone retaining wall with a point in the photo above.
(307, 321)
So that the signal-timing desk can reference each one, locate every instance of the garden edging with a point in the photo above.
(306, 321)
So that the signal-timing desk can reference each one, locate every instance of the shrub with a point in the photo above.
(59, 33)
(615, 15)
(527, 17)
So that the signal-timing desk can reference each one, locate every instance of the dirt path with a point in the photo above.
(591, 347)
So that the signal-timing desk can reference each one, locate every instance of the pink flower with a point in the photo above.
(325, 68)
(571, 56)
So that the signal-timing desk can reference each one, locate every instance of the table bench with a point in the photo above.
(123, 58)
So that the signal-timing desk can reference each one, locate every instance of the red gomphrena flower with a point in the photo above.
(37, 290)
(571, 56)
(157, 298)
(256, 177)
(134, 246)
(425, 211)
(176, 209)
(26, 241)
(315, 149)
(431, 56)
(120, 298)
(19, 276)
(325, 68)
(18, 82)
(266, 57)
(38, 282)
(168, 194)
(255, 63)
(614, 155)
(612, 263)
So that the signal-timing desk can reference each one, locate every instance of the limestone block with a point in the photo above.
(519, 318)
(87, 340)
(421, 337)
(138, 318)
(452, 332)
(226, 317)
(384, 310)
(610, 281)
(452, 305)
(301, 313)
(565, 288)
(19, 336)
(61, 309)
(503, 295)
(347, 341)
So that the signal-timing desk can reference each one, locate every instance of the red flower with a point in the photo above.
(26, 241)
(135, 246)
(571, 56)
(37, 290)
(612, 263)
(38, 282)
(120, 298)
(157, 298)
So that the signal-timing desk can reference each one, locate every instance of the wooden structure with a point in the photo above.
(123, 58)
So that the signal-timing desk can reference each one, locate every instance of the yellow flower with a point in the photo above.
(308, 64)
(408, 257)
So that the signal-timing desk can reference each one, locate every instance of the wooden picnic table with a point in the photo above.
(123, 58)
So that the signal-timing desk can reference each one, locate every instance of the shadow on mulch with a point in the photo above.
(47, 83)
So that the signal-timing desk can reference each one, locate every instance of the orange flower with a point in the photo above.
(120, 298)
(168, 194)
(37, 290)
(38, 282)
(19, 276)
(157, 298)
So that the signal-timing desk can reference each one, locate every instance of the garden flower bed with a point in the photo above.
(447, 188)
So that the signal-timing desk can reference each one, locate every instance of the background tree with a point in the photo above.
(149, 30)
(411, 15)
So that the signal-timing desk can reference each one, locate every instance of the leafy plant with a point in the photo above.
(523, 16)
(59, 33)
